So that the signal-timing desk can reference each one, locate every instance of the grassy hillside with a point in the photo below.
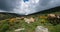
(11, 22)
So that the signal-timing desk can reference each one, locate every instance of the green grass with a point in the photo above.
(5, 26)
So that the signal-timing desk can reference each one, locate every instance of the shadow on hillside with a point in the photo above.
(56, 9)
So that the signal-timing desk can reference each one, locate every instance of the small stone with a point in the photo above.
(41, 29)
(58, 16)
(19, 29)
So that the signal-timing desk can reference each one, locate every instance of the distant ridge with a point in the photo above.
(55, 9)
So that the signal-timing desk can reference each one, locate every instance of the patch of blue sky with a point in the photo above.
(25, 0)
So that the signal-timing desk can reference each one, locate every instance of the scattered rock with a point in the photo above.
(19, 29)
(41, 29)
(58, 16)
(54, 19)
(29, 20)
(51, 15)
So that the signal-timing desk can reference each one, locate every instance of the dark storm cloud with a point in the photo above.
(7, 4)
(44, 2)
(47, 4)
(10, 5)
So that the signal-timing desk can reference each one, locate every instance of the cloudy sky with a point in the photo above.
(27, 6)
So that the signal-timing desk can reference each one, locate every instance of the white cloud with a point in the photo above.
(2, 11)
(31, 6)
(26, 7)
